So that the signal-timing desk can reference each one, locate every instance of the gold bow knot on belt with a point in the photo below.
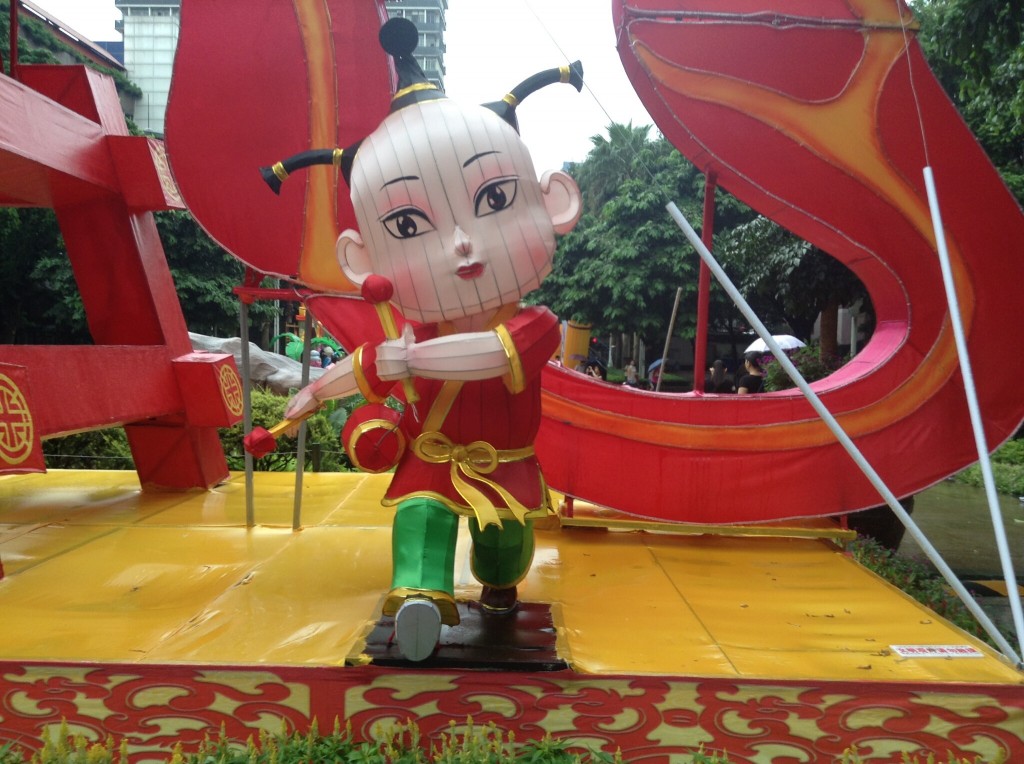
(471, 464)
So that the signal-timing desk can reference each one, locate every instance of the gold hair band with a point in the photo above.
(413, 88)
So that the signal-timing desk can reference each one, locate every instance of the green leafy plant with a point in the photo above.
(852, 756)
(323, 431)
(293, 346)
(398, 743)
(95, 450)
(808, 361)
(1007, 469)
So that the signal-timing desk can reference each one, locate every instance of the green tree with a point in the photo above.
(619, 269)
(788, 281)
(39, 301)
(610, 163)
(204, 276)
(976, 50)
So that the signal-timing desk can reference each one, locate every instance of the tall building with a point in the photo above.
(428, 15)
(150, 31)
(96, 52)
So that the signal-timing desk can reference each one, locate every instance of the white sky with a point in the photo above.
(493, 45)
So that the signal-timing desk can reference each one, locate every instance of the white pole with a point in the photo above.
(300, 455)
(972, 404)
(841, 435)
(250, 506)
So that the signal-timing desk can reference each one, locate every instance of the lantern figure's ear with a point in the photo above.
(562, 200)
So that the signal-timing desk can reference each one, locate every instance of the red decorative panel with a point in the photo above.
(649, 719)
(211, 388)
(20, 447)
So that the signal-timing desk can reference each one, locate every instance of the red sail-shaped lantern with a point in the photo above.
(819, 120)
(256, 81)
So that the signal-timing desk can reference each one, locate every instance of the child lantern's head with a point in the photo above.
(449, 207)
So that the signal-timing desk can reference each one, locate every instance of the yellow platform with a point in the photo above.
(98, 571)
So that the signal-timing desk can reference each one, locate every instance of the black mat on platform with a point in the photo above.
(523, 640)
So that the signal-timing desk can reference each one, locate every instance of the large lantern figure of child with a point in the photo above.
(452, 217)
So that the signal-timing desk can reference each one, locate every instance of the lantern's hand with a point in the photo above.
(393, 356)
(262, 441)
(302, 405)
(377, 291)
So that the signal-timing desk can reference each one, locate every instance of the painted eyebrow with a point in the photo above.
(399, 180)
(476, 157)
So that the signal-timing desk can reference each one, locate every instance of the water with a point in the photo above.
(956, 520)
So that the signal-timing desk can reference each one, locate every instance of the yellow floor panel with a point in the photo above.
(97, 570)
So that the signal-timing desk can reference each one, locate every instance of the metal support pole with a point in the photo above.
(843, 438)
(707, 230)
(668, 338)
(300, 455)
(250, 511)
(1013, 593)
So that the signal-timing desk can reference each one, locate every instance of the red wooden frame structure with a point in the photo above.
(64, 144)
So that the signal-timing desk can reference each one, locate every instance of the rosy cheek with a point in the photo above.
(405, 292)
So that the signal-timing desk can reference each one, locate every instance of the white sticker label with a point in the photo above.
(936, 651)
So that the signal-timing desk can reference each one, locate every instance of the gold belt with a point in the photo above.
(471, 464)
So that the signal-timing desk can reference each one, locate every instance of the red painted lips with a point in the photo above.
(470, 271)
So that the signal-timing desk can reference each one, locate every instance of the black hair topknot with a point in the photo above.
(398, 37)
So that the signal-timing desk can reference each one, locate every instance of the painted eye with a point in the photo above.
(407, 223)
(496, 196)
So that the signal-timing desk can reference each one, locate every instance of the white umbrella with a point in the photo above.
(786, 342)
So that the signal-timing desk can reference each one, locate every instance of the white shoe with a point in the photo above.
(417, 628)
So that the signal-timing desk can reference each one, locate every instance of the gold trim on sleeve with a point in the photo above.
(361, 381)
(516, 379)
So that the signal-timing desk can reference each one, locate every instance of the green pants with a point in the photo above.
(423, 548)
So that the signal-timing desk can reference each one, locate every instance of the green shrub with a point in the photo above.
(808, 361)
(392, 744)
(108, 448)
(94, 450)
(322, 431)
(1007, 469)
(1008, 478)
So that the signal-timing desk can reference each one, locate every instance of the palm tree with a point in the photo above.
(612, 161)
